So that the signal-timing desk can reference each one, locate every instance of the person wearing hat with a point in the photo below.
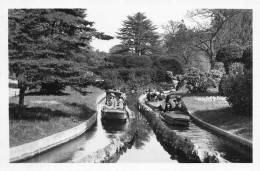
(113, 101)
(180, 104)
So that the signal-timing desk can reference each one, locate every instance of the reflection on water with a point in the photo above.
(146, 147)
(114, 126)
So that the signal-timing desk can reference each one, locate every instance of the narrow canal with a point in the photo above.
(146, 148)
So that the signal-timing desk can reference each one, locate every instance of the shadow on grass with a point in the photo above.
(40, 93)
(81, 91)
(45, 114)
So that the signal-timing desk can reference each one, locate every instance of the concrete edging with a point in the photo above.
(28, 150)
(221, 132)
(191, 150)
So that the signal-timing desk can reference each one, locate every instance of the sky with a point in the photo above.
(109, 17)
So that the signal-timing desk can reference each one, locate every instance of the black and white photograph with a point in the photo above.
(129, 85)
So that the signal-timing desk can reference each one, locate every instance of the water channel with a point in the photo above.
(146, 148)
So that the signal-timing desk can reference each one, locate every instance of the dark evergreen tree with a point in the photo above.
(45, 46)
(138, 35)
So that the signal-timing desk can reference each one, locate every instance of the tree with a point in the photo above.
(177, 41)
(216, 29)
(45, 45)
(138, 35)
(228, 55)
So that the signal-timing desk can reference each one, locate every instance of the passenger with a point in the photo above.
(172, 100)
(160, 96)
(166, 105)
(113, 101)
(149, 95)
(180, 105)
(121, 103)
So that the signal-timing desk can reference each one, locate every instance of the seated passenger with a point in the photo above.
(160, 96)
(167, 105)
(121, 103)
(113, 101)
(150, 95)
(180, 105)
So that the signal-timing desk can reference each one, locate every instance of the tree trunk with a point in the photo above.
(21, 101)
(212, 64)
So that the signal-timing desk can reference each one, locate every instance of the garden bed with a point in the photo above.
(45, 115)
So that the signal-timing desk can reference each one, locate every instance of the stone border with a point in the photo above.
(221, 132)
(191, 150)
(28, 150)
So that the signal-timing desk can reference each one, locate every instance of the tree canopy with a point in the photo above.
(45, 46)
(138, 35)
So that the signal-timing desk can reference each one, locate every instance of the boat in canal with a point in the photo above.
(175, 117)
(113, 111)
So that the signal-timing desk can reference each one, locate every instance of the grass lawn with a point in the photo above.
(45, 115)
(215, 110)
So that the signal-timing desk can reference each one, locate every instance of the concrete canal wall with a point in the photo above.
(192, 151)
(221, 132)
(31, 149)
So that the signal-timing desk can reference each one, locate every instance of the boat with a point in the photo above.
(175, 117)
(110, 113)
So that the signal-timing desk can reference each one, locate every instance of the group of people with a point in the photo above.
(173, 103)
(112, 102)
(151, 95)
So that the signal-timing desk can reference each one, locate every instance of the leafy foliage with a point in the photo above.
(167, 63)
(238, 90)
(229, 55)
(129, 61)
(46, 46)
(217, 28)
(198, 81)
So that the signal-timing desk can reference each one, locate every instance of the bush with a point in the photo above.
(229, 55)
(247, 57)
(168, 64)
(225, 84)
(198, 81)
(239, 92)
(52, 86)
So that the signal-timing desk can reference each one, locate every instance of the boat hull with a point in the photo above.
(114, 114)
(175, 118)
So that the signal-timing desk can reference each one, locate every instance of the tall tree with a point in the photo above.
(215, 29)
(45, 45)
(138, 35)
(177, 41)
